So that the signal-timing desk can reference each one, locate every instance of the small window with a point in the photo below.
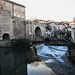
(18, 14)
(14, 7)
(14, 14)
(9, 6)
(4, 4)
(58, 27)
(22, 16)
(22, 10)
(18, 8)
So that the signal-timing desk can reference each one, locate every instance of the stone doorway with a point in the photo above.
(38, 32)
(6, 36)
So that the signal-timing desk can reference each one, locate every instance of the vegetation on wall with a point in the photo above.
(71, 45)
(25, 22)
(35, 49)
(20, 43)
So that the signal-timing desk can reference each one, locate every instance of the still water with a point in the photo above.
(16, 61)
(13, 61)
(19, 62)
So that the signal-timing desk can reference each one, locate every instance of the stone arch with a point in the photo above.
(46, 39)
(48, 29)
(6, 36)
(38, 32)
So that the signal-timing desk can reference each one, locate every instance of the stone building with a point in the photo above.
(12, 26)
(6, 27)
(16, 10)
(73, 32)
(19, 28)
(35, 30)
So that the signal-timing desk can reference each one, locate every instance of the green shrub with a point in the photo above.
(20, 43)
(35, 49)
(71, 45)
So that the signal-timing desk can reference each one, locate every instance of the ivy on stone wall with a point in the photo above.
(20, 43)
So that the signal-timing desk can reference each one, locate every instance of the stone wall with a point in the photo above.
(11, 27)
(19, 27)
(16, 9)
(73, 32)
(31, 28)
(14, 27)
(5, 24)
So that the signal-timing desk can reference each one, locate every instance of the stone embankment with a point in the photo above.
(4, 43)
(72, 54)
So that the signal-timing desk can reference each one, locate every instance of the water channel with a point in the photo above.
(16, 61)
(56, 57)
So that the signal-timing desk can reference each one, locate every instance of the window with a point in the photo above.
(22, 10)
(18, 8)
(14, 7)
(14, 14)
(18, 14)
(22, 16)
(58, 27)
(9, 6)
(4, 4)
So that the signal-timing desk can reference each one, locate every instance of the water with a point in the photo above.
(13, 61)
(55, 51)
(39, 68)
(16, 61)
(56, 57)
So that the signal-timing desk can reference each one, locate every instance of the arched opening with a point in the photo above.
(46, 39)
(48, 29)
(38, 32)
(6, 36)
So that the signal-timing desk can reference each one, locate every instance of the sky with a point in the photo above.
(57, 10)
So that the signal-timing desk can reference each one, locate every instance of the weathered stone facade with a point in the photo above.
(35, 30)
(11, 27)
(73, 32)
(6, 26)
(16, 9)
(14, 27)
(19, 27)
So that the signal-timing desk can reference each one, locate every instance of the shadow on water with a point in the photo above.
(15, 61)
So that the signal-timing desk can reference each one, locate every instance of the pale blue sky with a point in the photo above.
(58, 10)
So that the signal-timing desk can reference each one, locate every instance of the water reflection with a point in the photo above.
(39, 68)
(18, 62)
(13, 61)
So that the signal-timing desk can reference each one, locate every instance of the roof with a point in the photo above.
(15, 3)
(69, 27)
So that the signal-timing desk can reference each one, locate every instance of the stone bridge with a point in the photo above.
(35, 31)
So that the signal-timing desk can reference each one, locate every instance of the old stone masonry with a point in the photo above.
(11, 27)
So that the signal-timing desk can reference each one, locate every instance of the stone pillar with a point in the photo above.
(73, 32)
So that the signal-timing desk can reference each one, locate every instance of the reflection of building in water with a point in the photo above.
(39, 68)
(12, 63)
(35, 64)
